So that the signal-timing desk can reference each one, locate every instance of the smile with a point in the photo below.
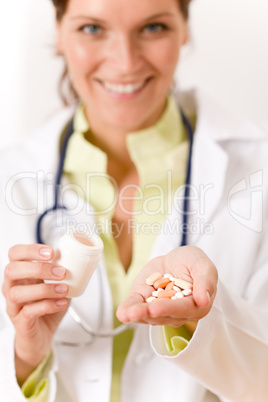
(124, 89)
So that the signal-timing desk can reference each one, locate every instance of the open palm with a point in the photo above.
(188, 263)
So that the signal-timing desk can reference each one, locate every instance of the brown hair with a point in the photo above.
(66, 90)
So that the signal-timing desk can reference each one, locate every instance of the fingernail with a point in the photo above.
(61, 288)
(61, 302)
(45, 252)
(208, 295)
(58, 271)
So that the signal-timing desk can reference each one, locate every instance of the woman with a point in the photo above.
(128, 130)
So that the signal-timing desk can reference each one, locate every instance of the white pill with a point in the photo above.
(176, 288)
(173, 297)
(187, 292)
(160, 290)
(155, 293)
(179, 295)
(150, 299)
(168, 276)
(173, 279)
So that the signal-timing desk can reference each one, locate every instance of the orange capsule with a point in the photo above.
(166, 294)
(161, 283)
(170, 286)
(152, 278)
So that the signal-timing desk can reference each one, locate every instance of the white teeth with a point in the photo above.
(123, 89)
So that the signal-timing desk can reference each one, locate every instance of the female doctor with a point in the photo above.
(132, 142)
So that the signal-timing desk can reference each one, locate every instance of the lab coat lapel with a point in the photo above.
(209, 165)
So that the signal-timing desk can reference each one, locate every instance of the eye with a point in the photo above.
(91, 29)
(155, 27)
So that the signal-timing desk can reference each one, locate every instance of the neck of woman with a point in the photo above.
(113, 142)
(111, 139)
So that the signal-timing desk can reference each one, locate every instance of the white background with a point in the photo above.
(227, 57)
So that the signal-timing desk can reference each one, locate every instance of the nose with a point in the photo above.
(126, 54)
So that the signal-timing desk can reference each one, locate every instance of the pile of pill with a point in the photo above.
(168, 287)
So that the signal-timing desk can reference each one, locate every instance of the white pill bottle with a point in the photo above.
(79, 254)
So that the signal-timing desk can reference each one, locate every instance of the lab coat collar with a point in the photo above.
(221, 125)
(209, 158)
(209, 167)
(215, 128)
(217, 122)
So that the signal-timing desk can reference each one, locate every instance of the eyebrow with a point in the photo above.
(97, 20)
(159, 15)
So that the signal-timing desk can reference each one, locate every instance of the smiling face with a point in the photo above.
(121, 57)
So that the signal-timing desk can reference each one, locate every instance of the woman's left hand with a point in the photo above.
(188, 263)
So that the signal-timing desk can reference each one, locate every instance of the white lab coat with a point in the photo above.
(228, 354)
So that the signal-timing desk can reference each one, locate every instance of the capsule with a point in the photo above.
(166, 294)
(183, 284)
(152, 278)
(170, 286)
(161, 283)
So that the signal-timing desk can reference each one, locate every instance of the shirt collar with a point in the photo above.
(81, 155)
(159, 139)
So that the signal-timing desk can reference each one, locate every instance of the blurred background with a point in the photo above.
(227, 57)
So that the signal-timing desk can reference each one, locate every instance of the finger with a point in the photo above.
(20, 295)
(201, 294)
(18, 270)
(159, 312)
(38, 309)
(139, 313)
(126, 310)
(200, 268)
(205, 283)
(181, 309)
(7, 285)
(31, 252)
(166, 321)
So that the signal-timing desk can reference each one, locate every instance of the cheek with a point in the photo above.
(79, 60)
(165, 58)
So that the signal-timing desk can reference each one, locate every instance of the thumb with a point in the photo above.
(204, 290)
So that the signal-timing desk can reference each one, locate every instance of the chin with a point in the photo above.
(129, 125)
(133, 120)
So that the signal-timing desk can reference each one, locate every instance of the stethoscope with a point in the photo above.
(72, 310)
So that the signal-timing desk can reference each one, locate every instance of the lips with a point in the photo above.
(124, 89)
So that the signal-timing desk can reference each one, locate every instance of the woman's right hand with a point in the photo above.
(34, 307)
